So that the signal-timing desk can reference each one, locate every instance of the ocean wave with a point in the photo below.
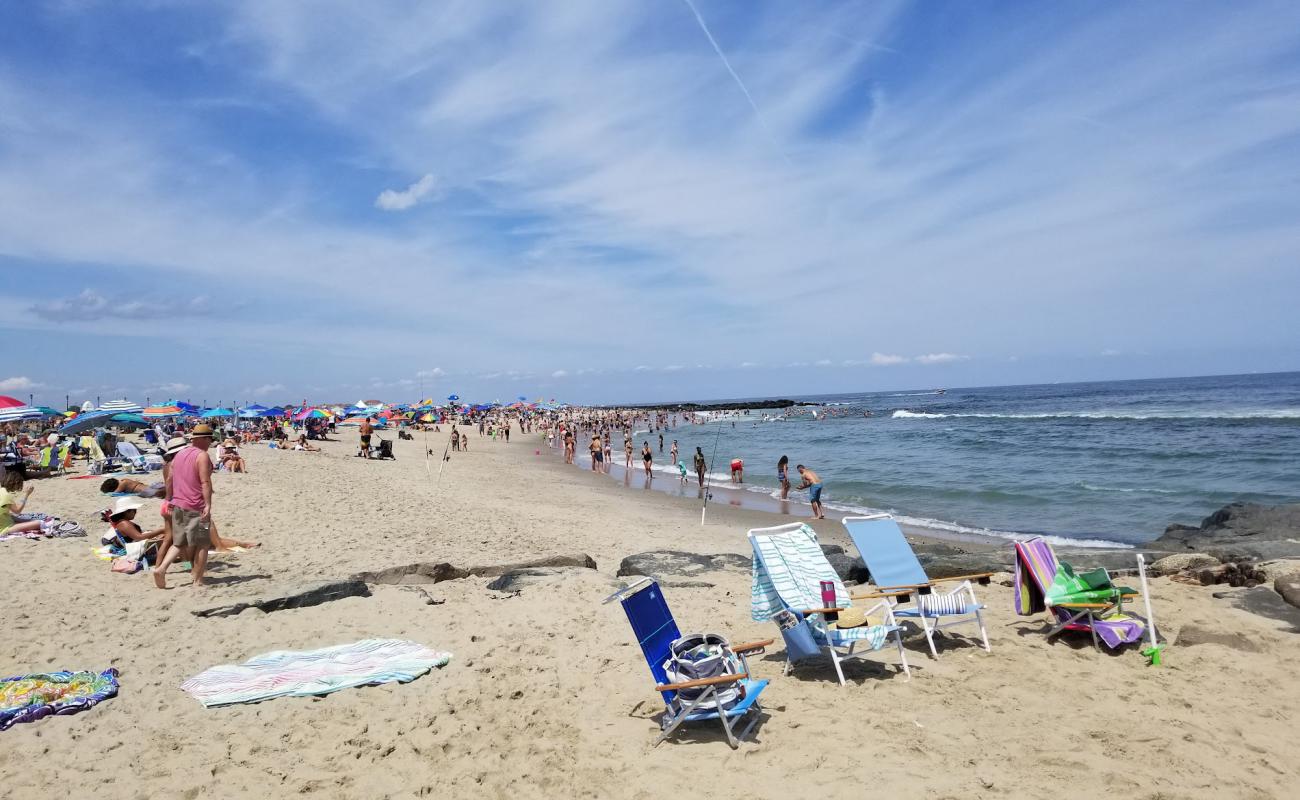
(1263, 414)
(1127, 490)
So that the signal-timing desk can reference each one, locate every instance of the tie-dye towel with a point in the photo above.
(24, 698)
(288, 673)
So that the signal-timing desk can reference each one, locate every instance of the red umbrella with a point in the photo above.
(8, 402)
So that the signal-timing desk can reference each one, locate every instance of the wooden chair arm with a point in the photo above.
(878, 595)
(1085, 605)
(982, 577)
(807, 611)
(750, 647)
(676, 687)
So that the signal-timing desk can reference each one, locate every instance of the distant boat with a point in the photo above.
(940, 391)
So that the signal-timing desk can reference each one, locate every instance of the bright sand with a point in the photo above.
(547, 693)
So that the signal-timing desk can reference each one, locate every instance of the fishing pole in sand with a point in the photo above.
(708, 476)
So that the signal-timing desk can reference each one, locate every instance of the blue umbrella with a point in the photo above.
(216, 412)
(253, 412)
(129, 419)
(273, 412)
(453, 397)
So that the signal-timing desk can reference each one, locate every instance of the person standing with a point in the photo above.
(673, 456)
(813, 483)
(627, 451)
(700, 465)
(366, 430)
(783, 476)
(597, 453)
(189, 495)
(648, 459)
(661, 444)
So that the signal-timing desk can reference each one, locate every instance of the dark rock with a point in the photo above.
(849, 568)
(1170, 565)
(413, 574)
(575, 560)
(940, 567)
(678, 568)
(1265, 602)
(1289, 587)
(517, 579)
(1192, 635)
(1240, 531)
(832, 550)
(305, 597)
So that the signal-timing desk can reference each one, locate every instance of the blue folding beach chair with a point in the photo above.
(899, 576)
(656, 630)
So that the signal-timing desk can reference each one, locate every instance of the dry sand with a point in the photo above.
(547, 694)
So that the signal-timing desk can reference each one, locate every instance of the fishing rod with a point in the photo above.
(708, 476)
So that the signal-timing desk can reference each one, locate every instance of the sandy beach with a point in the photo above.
(547, 693)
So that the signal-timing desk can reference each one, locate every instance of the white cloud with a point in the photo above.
(825, 362)
(674, 368)
(267, 388)
(170, 388)
(749, 364)
(886, 360)
(559, 373)
(436, 372)
(18, 384)
(1110, 352)
(641, 368)
(940, 358)
(393, 200)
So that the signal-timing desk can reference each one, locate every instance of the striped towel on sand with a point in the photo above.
(788, 570)
(288, 673)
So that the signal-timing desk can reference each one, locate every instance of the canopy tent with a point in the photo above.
(213, 413)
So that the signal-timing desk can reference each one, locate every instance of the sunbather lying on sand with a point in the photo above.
(129, 486)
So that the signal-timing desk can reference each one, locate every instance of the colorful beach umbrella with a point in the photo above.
(161, 412)
(213, 413)
(18, 413)
(10, 402)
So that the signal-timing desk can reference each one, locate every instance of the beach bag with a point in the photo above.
(798, 636)
(704, 655)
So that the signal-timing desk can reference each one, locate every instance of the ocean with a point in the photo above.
(1102, 464)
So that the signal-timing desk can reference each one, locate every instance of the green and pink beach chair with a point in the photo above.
(1086, 601)
(898, 575)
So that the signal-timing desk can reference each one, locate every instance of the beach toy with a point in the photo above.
(1153, 652)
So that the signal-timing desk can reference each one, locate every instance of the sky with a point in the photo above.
(606, 201)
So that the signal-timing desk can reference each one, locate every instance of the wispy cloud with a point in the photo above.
(559, 373)
(886, 360)
(174, 388)
(393, 200)
(267, 389)
(940, 358)
(18, 384)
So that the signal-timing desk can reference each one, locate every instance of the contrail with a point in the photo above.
(758, 114)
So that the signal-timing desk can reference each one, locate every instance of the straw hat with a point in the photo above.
(125, 504)
(202, 429)
(851, 618)
(175, 445)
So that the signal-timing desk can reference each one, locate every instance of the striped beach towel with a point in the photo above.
(787, 573)
(289, 673)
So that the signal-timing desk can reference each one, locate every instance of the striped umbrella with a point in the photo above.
(161, 412)
(122, 407)
(16, 413)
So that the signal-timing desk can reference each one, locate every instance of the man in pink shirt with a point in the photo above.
(189, 494)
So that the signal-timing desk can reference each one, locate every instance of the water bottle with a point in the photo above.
(828, 600)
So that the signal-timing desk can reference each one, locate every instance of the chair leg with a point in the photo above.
(835, 659)
(726, 727)
(902, 654)
(979, 618)
(929, 634)
(684, 713)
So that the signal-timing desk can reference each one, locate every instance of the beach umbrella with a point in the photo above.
(17, 413)
(273, 412)
(122, 407)
(453, 397)
(11, 402)
(312, 413)
(49, 412)
(213, 413)
(86, 421)
(161, 412)
(253, 412)
(134, 420)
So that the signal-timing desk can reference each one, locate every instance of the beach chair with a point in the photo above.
(899, 576)
(129, 454)
(1078, 602)
(656, 630)
(789, 567)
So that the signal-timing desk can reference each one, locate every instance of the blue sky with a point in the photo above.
(616, 201)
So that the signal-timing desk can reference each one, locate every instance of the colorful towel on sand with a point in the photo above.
(25, 698)
(288, 673)
(62, 530)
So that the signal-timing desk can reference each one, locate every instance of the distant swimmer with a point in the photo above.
(867, 414)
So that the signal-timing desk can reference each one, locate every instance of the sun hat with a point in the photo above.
(125, 504)
(175, 445)
(851, 618)
(229, 442)
(202, 429)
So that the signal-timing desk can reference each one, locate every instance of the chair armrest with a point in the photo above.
(878, 595)
(982, 578)
(807, 611)
(676, 687)
(1084, 605)
(751, 647)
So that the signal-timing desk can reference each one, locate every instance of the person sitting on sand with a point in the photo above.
(303, 444)
(129, 486)
(122, 517)
(230, 458)
(13, 499)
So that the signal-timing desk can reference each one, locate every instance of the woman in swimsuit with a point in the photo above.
(782, 476)
(597, 453)
(647, 459)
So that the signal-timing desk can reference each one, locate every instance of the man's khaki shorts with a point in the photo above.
(190, 529)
